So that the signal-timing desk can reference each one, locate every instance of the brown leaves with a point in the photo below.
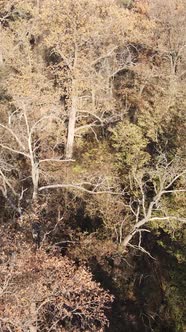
(59, 289)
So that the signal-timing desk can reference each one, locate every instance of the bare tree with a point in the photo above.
(163, 181)
(21, 136)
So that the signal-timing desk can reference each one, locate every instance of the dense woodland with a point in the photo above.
(92, 165)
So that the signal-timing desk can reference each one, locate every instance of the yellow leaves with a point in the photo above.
(23, 300)
(130, 145)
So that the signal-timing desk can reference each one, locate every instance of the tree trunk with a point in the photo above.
(71, 128)
(33, 316)
(35, 179)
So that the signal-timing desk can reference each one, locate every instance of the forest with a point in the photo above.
(92, 165)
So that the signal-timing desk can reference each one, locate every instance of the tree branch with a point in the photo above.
(14, 135)
(174, 179)
(78, 187)
(55, 160)
(15, 151)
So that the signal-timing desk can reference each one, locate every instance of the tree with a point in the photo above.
(92, 55)
(62, 54)
(76, 57)
(46, 292)
(101, 82)
(22, 137)
(148, 208)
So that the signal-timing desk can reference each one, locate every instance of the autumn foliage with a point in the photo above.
(43, 292)
(92, 152)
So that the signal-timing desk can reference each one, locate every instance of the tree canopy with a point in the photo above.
(92, 150)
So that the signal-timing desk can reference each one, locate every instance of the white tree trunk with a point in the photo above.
(35, 178)
(71, 128)
(33, 316)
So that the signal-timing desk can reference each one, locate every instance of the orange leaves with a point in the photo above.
(56, 286)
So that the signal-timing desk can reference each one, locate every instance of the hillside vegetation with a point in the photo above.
(92, 165)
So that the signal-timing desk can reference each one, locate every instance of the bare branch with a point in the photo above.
(147, 212)
(55, 160)
(168, 218)
(78, 187)
(87, 126)
(106, 55)
(173, 191)
(14, 150)
(14, 135)
(8, 183)
(174, 179)
(92, 114)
